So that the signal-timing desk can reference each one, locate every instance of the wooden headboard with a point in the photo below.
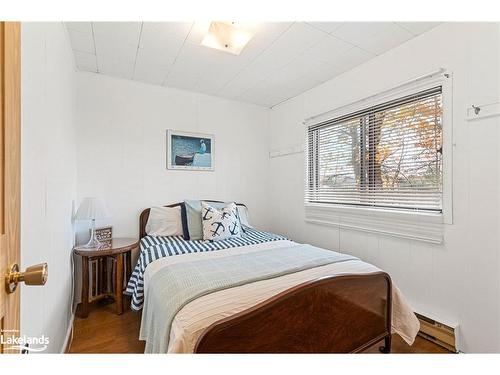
(143, 219)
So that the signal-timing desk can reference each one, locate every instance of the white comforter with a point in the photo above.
(196, 316)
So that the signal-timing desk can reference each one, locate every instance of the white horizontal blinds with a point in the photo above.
(387, 156)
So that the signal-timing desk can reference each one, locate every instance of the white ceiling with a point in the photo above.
(282, 60)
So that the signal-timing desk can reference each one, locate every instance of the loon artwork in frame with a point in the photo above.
(190, 151)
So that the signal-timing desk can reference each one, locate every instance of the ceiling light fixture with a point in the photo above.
(226, 37)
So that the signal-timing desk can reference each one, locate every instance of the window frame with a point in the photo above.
(325, 213)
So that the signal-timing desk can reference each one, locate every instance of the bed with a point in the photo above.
(275, 296)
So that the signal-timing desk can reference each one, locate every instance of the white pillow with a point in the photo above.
(220, 224)
(243, 213)
(164, 221)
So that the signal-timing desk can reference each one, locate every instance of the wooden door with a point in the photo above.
(10, 136)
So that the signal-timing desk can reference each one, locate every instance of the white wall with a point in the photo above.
(122, 148)
(48, 177)
(459, 280)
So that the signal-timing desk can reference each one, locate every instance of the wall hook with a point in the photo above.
(476, 109)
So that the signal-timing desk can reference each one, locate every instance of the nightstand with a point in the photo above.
(105, 272)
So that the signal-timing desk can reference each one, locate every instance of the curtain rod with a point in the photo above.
(412, 80)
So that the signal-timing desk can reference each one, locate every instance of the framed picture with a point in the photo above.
(190, 151)
(104, 235)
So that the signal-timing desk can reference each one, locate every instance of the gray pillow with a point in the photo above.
(193, 216)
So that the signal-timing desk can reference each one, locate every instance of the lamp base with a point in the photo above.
(94, 243)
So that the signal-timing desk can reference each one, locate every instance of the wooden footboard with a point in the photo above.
(338, 314)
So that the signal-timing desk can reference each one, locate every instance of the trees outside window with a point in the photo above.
(386, 156)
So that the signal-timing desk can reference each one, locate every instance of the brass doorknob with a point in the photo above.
(34, 275)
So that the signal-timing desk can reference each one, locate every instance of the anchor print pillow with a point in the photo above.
(220, 224)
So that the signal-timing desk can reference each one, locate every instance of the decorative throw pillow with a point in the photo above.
(219, 224)
(191, 218)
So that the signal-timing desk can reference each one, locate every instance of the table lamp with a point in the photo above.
(92, 208)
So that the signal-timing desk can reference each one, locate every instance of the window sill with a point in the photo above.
(418, 226)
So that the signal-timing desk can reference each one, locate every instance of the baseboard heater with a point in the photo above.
(439, 333)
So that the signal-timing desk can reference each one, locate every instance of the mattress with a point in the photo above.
(153, 248)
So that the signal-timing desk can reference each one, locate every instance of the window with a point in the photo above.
(388, 156)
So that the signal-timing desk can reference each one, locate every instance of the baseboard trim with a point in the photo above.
(67, 339)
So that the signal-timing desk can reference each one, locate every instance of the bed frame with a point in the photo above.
(337, 314)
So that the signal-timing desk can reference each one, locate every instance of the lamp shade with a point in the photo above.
(92, 208)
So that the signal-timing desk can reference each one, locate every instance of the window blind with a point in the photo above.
(385, 156)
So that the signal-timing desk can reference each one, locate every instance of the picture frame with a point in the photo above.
(190, 151)
(104, 235)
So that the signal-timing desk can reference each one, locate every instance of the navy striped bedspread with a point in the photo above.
(154, 248)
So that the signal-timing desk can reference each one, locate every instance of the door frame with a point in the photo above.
(10, 172)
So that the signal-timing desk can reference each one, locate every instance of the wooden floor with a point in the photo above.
(105, 332)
